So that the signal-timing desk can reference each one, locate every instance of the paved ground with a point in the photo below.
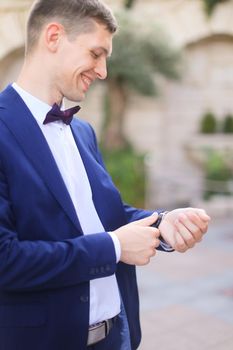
(187, 299)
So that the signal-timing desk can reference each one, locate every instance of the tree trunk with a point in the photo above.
(113, 137)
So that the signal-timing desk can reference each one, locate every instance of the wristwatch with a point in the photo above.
(160, 218)
(164, 245)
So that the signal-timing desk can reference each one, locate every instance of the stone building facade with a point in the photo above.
(168, 124)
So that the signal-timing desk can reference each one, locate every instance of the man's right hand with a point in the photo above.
(138, 241)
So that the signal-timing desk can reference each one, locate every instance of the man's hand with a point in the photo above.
(138, 241)
(183, 228)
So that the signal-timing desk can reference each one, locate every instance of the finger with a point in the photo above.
(202, 214)
(153, 253)
(195, 218)
(157, 243)
(180, 244)
(155, 232)
(148, 221)
(188, 238)
(191, 226)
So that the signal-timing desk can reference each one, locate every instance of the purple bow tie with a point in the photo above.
(56, 114)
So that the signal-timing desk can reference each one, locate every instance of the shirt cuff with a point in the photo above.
(165, 246)
(117, 245)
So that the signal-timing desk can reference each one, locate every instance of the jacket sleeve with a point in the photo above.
(33, 265)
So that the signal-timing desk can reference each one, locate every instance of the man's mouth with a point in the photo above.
(86, 81)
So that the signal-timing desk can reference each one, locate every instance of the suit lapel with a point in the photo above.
(30, 138)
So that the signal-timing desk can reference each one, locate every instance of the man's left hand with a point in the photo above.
(183, 228)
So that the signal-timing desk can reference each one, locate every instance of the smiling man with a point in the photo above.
(68, 244)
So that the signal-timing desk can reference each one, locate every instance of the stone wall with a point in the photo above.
(12, 33)
(206, 85)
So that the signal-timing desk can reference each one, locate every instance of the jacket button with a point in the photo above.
(84, 299)
(92, 271)
(108, 268)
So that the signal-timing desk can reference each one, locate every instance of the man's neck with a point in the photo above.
(36, 80)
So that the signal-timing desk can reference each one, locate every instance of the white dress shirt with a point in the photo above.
(104, 293)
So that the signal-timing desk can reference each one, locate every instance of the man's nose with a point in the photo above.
(101, 69)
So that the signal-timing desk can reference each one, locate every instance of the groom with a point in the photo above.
(68, 244)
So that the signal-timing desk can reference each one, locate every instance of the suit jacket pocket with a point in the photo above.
(21, 316)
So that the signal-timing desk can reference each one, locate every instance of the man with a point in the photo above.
(68, 245)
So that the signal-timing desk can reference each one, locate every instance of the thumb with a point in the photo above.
(148, 221)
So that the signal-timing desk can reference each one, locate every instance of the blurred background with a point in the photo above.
(164, 120)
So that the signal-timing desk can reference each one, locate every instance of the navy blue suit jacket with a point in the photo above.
(46, 262)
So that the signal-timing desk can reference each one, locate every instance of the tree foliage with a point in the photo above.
(211, 4)
(140, 51)
(129, 3)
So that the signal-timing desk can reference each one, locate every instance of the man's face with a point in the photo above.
(82, 61)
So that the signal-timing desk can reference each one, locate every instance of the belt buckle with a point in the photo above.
(96, 333)
(99, 331)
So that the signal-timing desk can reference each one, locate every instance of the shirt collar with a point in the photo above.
(38, 108)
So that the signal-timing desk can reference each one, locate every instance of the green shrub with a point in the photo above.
(128, 173)
(208, 123)
(217, 173)
(228, 124)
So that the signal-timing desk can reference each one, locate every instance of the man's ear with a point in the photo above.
(53, 33)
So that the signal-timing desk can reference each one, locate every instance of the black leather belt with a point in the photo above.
(99, 331)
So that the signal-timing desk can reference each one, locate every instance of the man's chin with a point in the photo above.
(81, 96)
(77, 98)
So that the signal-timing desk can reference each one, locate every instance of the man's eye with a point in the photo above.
(95, 55)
